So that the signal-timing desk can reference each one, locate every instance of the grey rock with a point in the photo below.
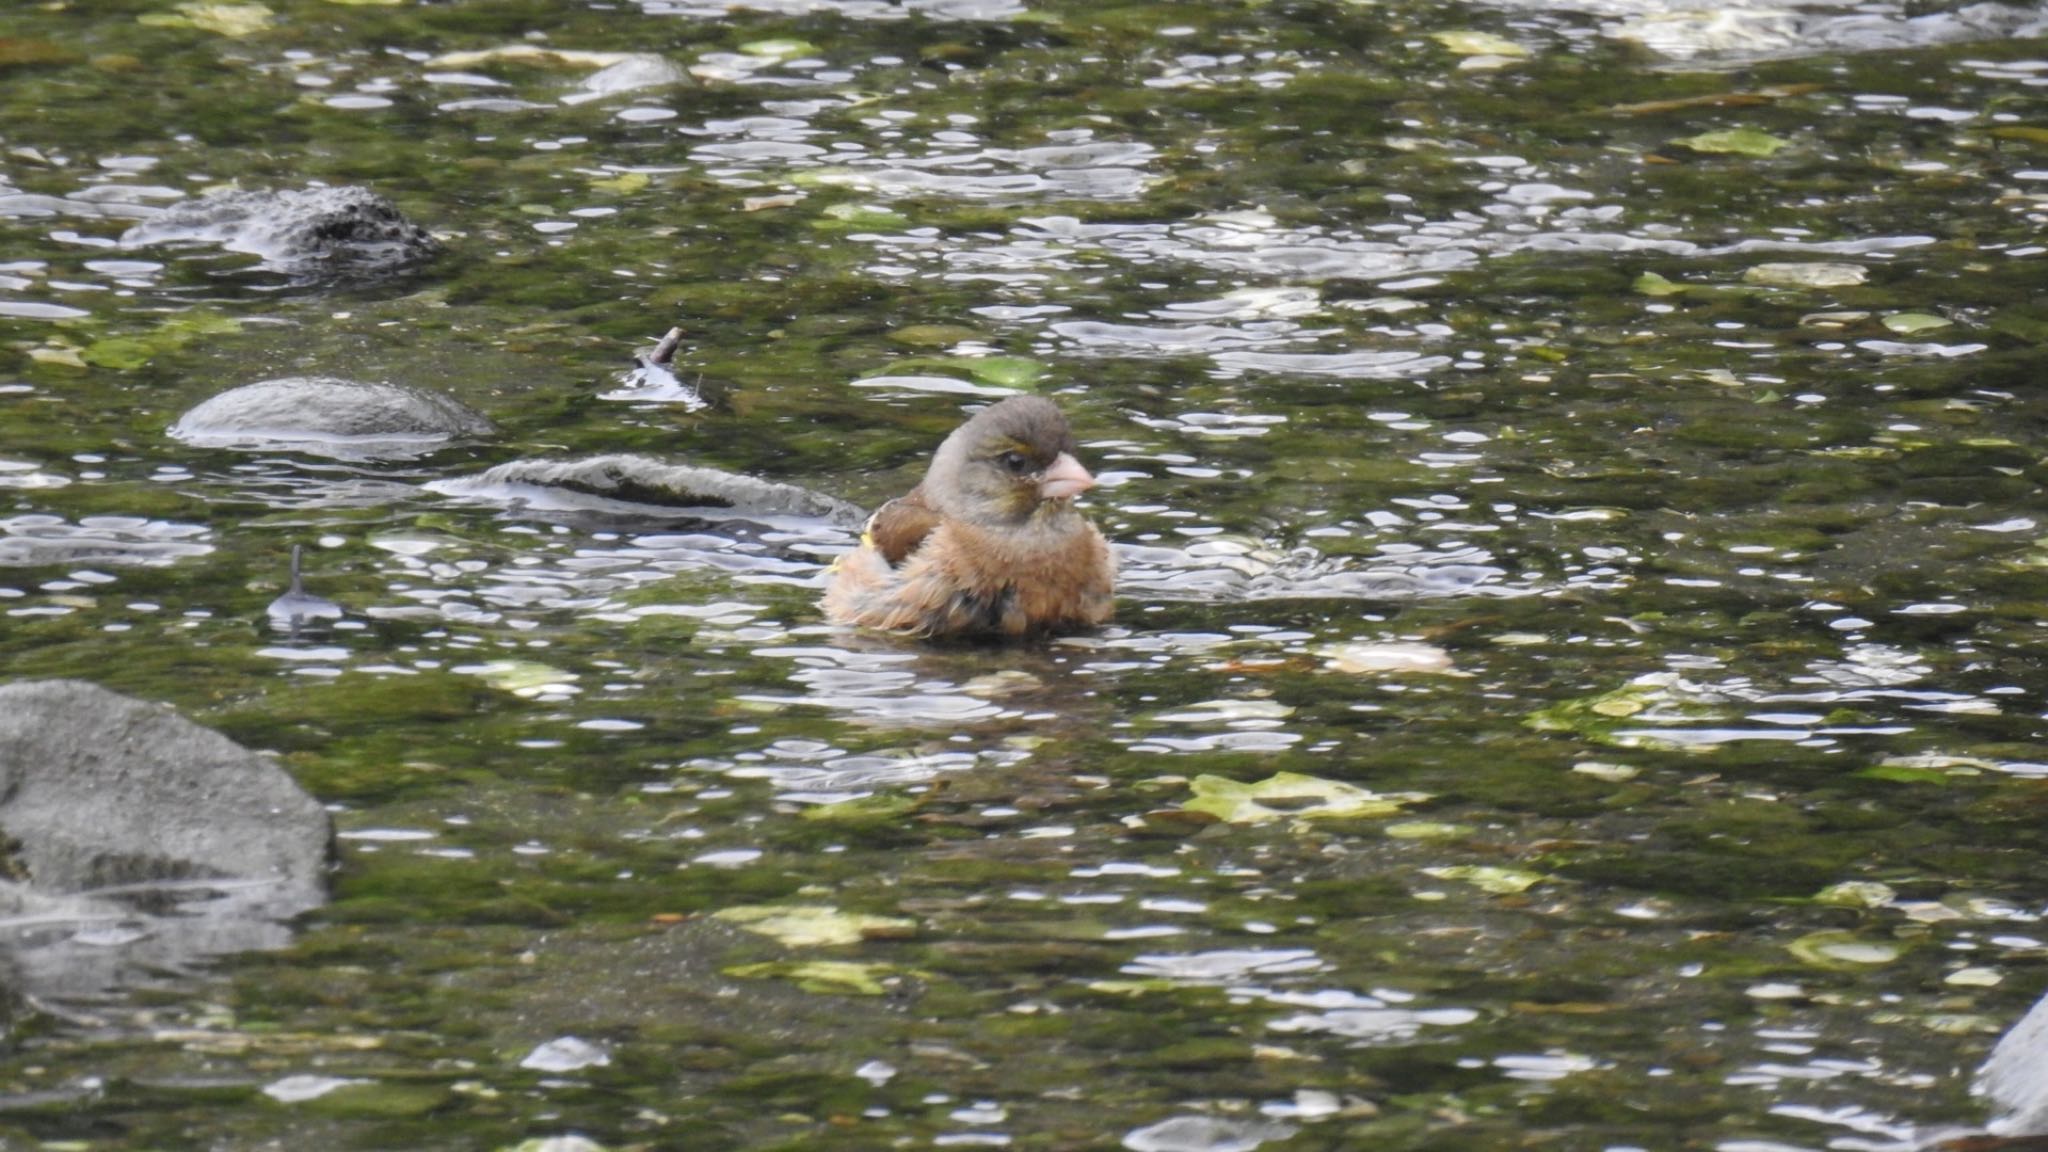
(2015, 1077)
(1205, 1134)
(139, 842)
(634, 73)
(329, 416)
(624, 483)
(305, 232)
(100, 789)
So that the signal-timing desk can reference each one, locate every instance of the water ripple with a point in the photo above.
(939, 10)
(35, 540)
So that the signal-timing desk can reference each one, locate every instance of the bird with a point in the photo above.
(989, 543)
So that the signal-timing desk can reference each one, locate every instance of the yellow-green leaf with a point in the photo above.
(1907, 323)
(863, 810)
(226, 19)
(519, 677)
(1817, 274)
(625, 183)
(1651, 284)
(1499, 881)
(780, 49)
(1467, 42)
(1426, 830)
(1857, 894)
(1286, 795)
(828, 977)
(1735, 141)
(1844, 951)
(801, 925)
(1003, 371)
(865, 216)
(934, 335)
(120, 352)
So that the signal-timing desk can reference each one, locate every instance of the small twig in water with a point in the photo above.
(664, 352)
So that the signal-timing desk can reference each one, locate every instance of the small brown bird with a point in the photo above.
(989, 543)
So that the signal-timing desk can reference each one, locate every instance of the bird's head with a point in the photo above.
(1014, 460)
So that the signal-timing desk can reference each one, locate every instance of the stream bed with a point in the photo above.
(1575, 470)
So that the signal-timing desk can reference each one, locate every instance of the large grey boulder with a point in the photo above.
(138, 841)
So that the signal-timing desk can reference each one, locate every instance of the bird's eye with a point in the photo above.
(1016, 462)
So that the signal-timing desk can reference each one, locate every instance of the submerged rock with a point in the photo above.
(2015, 1077)
(1205, 1134)
(137, 841)
(303, 231)
(633, 72)
(638, 483)
(329, 416)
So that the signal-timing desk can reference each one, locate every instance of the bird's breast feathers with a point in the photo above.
(961, 580)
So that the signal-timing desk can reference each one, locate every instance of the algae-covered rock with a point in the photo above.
(305, 232)
(623, 482)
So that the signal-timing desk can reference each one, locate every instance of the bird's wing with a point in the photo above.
(898, 527)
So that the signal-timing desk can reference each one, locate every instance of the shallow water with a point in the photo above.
(1655, 625)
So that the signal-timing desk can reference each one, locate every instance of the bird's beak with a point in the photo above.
(1064, 479)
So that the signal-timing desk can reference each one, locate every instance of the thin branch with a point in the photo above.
(664, 352)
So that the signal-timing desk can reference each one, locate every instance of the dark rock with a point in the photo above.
(303, 232)
(629, 483)
(137, 841)
(328, 416)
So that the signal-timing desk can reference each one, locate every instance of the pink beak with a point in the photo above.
(1064, 479)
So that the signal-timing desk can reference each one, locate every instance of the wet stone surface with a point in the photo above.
(1575, 471)
(307, 232)
(139, 843)
(327, 416)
